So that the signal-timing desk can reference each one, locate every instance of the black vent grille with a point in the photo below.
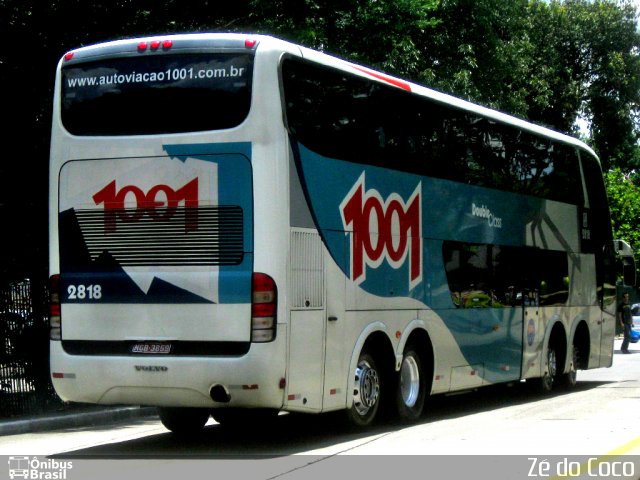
(207, 236)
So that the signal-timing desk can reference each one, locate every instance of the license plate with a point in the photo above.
(151, 348)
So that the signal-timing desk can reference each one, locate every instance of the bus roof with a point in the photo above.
(234, 41)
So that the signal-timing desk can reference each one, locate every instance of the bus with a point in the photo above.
(241, 226)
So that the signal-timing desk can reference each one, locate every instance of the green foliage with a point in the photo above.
(550, 61)
(379, 33)
(611, 77)
(624, 203)
(481, 50)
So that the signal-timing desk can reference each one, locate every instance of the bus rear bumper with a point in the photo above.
(253, 380)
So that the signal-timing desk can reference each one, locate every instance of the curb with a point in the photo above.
(74, 420)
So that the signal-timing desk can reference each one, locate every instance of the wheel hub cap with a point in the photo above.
(367, 388)
(409, 381)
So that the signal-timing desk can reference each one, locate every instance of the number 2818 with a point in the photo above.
(84, 292)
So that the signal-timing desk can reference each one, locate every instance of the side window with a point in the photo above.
(481, 275)
(468, 268)
(552, 271)
(351, 118)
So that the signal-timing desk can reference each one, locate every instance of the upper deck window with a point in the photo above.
(349, 117)
(157, 94)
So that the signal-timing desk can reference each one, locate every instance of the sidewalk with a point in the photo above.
(83, 417)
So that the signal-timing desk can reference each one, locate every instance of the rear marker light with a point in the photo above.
(262, 323)
(155, 45)
(250, 43)
(264, 307)
(68, 56)
(55, 320)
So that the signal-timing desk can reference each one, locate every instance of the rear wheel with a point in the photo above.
(367, 388)
(570, 378)
(411, 386)
(183, 420)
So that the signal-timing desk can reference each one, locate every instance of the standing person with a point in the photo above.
(624, 317)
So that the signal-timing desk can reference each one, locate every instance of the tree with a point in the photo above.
(36, 34)
(480, 50)
(610, 57)
(380, 33)
(549, 62)
(624, 203)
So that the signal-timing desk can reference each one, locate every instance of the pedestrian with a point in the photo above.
(624, 317)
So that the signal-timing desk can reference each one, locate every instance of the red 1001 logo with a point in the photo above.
(382, 230)
(160, 203)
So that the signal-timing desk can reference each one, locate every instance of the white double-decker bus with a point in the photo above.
(242, 226)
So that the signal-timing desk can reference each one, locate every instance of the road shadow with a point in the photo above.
(294, 433)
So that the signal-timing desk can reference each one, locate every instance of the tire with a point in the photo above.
(410, 387)
(367, 391)
(183, 420)
(569, 379)
(550, 378)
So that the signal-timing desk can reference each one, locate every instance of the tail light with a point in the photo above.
(264, 306)
(55, 321)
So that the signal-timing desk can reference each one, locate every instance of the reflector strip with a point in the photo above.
(393, 81)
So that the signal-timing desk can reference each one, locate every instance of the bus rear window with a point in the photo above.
(157, 94)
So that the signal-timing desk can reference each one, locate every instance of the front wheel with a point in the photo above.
(411, 387)
(183, 420)
(366, 391)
